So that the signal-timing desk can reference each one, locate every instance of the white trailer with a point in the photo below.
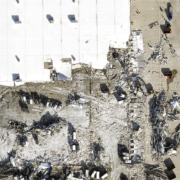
(87, 173)
(93, 174)
(97, 175)
(128, 161)
(126, 158)
(74, 147)
(74, 135)
(104, 176)
(12, 161)
(125, 154)
(30, 101)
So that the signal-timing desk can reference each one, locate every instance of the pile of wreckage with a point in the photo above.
(72, 138)
(131, 156)
(75, 101)
(159, 115)
(138, 87)
(120, 95)
(26, 98)
(46, 126)
(46, 171)
(132, 58)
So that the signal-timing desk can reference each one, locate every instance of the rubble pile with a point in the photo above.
(136, 151)
(49, 125)
(75, 101)
(120, 95)
(72, 138)
(45, 171)
(53, 123)
(138, 87)
(52, 148)
(161, 143)
(131, 59)
(132, 154)
(132, 90)
(97, 151)
(158, 111)
(18, 126)
(46, 126)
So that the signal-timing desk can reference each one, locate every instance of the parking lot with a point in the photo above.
(149, 13)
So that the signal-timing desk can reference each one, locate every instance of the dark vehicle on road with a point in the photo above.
(170, 13)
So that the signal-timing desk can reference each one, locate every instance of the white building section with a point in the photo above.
(137, 41)
(33, 31)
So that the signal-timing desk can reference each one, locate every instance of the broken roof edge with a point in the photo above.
(80, 65)
(12, 83)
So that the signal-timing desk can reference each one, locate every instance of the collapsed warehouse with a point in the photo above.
(32, 151)
(64, 131)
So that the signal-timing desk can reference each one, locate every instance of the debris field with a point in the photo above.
(108, 124)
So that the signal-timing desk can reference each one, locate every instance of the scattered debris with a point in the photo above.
(174, 103)
(153, 24)
(75, 101)
(137, 11)
(159, 52)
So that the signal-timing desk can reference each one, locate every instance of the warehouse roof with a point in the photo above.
(82, 30)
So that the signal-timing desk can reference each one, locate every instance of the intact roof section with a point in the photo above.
(27, 45)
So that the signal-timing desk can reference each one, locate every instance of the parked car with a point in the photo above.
(170, 13)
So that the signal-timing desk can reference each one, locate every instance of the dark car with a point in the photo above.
(170, 13)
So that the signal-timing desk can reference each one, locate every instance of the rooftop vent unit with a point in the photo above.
(50, 18)
(16, 78)
(16, 19)
(72, 18)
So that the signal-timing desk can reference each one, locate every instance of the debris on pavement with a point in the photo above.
(153, 24)
(162, 145)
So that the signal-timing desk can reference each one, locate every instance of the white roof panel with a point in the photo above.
(100, 24)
